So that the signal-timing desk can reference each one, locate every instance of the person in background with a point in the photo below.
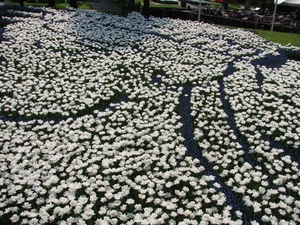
(287, 20)
(295, 15)
(225, 5)
(251, 17)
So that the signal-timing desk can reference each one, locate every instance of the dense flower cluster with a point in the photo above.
(112, 120)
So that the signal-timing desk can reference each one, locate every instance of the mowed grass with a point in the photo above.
(280, 37)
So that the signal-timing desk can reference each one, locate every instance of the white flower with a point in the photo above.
(130, 201)
(15, 218)
(115, 148)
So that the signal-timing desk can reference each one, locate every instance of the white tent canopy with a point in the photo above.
(288, 2)
(283, 2)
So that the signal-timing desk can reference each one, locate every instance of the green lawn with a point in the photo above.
(173, 6)
(60, 5)
(232, 6)
(280, 37)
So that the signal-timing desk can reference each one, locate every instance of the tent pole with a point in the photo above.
(274, 15)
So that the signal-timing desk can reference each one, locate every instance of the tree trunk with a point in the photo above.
(51, 3)
(73, 3)
(146, 3)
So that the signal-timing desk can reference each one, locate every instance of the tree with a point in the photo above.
(264, 4)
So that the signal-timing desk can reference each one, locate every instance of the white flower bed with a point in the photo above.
(93, 129)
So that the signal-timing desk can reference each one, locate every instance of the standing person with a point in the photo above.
(225, 5)
(296, 15)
